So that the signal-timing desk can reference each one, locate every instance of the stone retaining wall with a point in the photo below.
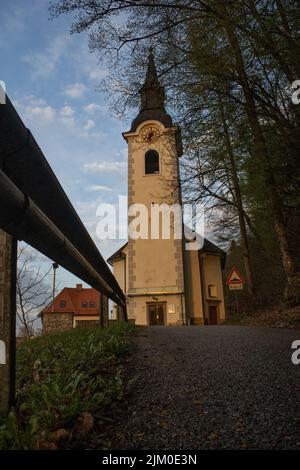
(56, 322)
(88, 324)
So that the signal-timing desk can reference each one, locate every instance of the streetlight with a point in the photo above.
(54, 266)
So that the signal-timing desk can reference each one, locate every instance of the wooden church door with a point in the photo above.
(213, 315)
(156, 313)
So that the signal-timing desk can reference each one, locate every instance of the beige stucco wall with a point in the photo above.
(155, 271)
(154, 265)
(139, 311)
(118, 270)
(119, 267)
(193, 287)
(213, 275)
(193, 292)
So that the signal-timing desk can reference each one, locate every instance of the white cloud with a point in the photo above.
(76, 90)
(87, 212)
(67, 111)
(34, 101)
(87, 207)
(123, 153)
(35, 109)
(89, 124)
(105, 166)
(92, 107)
(69, 123)
(44, 63)
(96, 74)
(96, 187)
(46, 113)
(14, 19)
(88, 64)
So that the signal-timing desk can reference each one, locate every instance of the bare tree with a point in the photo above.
(244, 52)
(33, 292)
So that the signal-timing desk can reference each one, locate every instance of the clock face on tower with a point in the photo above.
(150, 134)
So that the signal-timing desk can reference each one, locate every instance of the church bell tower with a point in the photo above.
(155, 273)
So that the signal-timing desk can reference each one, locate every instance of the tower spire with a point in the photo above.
(152, 97)
(151, 76)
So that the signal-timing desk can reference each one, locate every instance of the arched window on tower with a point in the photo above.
(151, 162)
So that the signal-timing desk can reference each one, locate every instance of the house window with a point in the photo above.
(84, 304)
(92, 304)
(151, 162)
(62, 304)
(212, 290)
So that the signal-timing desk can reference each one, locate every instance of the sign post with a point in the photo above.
(236, 302)
(235, 282)
(8, 272)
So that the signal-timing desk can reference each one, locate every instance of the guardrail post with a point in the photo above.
(104, 318)
(105, 310)
(8, 273)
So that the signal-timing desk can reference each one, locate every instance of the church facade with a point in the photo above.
(165, 282)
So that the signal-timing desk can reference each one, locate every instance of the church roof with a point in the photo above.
(208, 247)
(117, 254)
(152, 99)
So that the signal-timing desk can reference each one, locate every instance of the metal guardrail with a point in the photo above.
(38, 200)
(35, 208)
(21, 218)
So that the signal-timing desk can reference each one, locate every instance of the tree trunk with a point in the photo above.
(239, 202)
(20, 311)
(292, 293)
(284, 65)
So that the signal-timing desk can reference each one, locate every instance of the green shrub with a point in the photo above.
(61, 376)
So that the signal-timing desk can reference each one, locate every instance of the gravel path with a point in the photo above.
(212, 388)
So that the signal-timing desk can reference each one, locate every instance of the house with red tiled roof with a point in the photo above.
(73, 307)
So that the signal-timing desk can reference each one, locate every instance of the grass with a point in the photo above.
(63, 382)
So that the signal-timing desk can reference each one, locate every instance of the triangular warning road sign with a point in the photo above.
(234, 277)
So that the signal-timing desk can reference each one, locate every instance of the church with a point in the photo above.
(165, 282)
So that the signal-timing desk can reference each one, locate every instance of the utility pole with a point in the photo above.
(55, 266)
(8, 274)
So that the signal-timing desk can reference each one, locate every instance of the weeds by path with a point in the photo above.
(65, 384)
(275, 318)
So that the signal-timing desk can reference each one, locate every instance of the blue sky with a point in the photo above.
(52, 80)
